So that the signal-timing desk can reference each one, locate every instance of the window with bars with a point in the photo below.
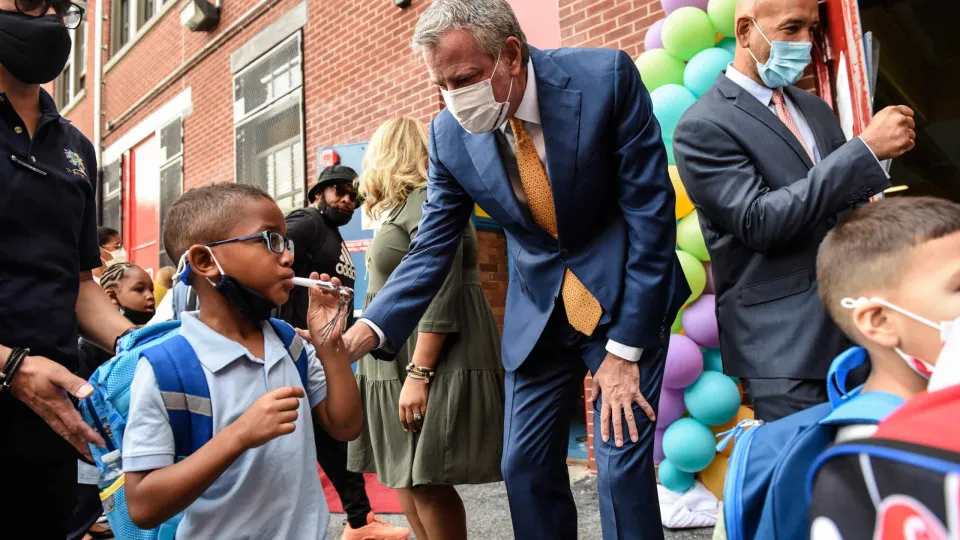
(111, 206)
(268, 115)
(72, 80)
(171, 177)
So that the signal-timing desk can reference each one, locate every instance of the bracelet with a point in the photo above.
(422, 373)
(11, 367)
(116, 342)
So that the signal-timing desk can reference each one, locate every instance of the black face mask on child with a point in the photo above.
(138, 318)
(248, 302)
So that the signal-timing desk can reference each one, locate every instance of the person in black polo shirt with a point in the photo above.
(320, 248)
(48, 246)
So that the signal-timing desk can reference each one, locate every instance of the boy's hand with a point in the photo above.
(324, 307)
(270, 417)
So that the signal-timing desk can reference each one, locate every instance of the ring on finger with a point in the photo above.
(417, 417)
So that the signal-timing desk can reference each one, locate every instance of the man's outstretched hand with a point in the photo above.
(618, 382)
(43, 386)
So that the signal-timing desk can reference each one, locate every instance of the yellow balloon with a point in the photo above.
(684, 206)
(714, 475)
(744, 413)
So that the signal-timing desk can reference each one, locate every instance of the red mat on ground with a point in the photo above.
(383, 500)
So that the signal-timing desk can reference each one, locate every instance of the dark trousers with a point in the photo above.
(37, 498)
(86, 512)
(541, 397)
(775, 398)
(332, 456)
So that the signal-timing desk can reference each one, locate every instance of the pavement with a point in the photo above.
(488, 515)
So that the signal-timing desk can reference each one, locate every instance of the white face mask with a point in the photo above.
(119, 256)
(475, 106)
(918, 365)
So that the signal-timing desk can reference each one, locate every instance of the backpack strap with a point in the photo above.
(294, 345)
(865, 408)
(841, 366)
(185, 393)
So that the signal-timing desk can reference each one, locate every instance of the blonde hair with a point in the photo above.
(395, 164)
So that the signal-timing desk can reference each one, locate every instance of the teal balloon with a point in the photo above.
(670, 101)
(712, 360)
(695, 273)
(673, 478)
(702, 70)
(668, 144)
(658, 68)
(690, 237)
(687, 31)
(689, 445)
(722, 15)
(728, 44)
(713, 398)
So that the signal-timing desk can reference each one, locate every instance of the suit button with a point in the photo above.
(564, 253)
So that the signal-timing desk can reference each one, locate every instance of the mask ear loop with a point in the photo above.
(850, 303)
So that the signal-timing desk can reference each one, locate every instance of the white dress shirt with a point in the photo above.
(765, 96)
(529, 112)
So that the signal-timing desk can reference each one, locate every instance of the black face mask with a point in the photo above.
(138, 318)
(338, 218)
(249, 303)
(33, 49)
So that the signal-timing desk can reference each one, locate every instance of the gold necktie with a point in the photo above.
(583, 309)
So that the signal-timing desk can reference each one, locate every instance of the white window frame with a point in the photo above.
(175, 160)
(138, 28)
(295, 93)
(75, 90)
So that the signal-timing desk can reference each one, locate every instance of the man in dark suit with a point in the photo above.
(769, 169)
(561, 148)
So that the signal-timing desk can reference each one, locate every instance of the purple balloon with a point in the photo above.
(669, 6)
(671, 407)
(658, 447)
(684, 363)
(653, 39)
(709, 289)
(700, 322)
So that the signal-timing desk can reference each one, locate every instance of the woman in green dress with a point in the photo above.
(424, 437)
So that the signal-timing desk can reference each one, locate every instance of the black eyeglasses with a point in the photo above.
(346, 189)
(70, 14)
(275, 241)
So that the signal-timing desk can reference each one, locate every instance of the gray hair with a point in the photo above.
(490, 22)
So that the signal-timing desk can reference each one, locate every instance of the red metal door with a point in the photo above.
(142, 193)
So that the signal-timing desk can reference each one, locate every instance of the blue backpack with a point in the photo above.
(180, 377)
(764, 495)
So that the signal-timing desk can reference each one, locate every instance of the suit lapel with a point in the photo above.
(824, 145)
(560, 119)
(750, 105)
(486, 159)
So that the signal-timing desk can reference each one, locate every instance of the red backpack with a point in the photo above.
(901, 484)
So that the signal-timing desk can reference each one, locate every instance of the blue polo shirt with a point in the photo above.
(269, 492)
(48, 235)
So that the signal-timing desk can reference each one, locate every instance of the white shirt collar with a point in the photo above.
(755, 89)
(529, 108)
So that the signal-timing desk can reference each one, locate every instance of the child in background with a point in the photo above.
(888, 272)
(131, 290)
(257, 477)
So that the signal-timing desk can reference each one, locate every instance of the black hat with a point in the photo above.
(331, 176)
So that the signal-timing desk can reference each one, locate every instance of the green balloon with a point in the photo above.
(668, 145)
(658, 68)
(677, 323)
(688, 31)
(722, 15)
(695, 273)
(690, 237)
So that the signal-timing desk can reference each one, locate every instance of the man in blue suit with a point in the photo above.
(562, 149)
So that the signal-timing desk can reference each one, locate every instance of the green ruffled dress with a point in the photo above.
(462, 437)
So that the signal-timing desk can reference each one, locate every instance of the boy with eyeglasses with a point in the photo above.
(48, 248)
(256, 477)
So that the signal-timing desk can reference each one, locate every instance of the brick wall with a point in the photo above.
(492, 256)
(617, 24)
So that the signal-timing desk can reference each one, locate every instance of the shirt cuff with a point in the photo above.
(147, 463)
(628, 353)
(381, 339)
(880, 163)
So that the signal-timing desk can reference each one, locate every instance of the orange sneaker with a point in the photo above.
(375, 529)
